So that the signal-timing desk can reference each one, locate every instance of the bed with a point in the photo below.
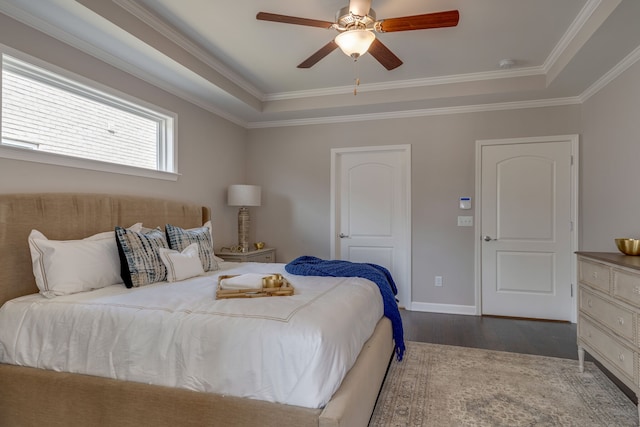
(34, 396)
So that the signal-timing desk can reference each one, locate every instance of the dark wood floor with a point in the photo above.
(553, 339)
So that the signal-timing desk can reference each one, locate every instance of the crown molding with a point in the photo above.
(600, 84)
(187, 44)
(132, 7)
(571, 33)
(517, 105)
(611, 75)
(407, 84)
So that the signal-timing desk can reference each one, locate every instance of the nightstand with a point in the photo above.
(259, 255)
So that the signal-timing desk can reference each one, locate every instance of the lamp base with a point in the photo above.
(243, 229)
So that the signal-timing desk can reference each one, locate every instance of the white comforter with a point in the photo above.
(294, 350)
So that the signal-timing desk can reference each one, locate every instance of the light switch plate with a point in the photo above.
(465, 221)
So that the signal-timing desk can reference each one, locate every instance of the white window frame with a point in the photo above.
(168, 142)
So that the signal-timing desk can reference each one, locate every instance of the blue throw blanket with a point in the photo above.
(312, 266)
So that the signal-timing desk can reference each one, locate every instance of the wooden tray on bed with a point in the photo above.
(278, 287)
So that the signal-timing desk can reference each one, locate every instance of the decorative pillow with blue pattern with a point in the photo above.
(179, 239)
(140, 262)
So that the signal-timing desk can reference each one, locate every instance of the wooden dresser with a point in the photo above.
(608, 313)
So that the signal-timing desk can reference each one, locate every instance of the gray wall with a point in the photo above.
(293, 166)
(610, 153)
(211, 150)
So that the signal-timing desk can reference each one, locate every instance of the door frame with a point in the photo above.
(405, 149)
(574, 140)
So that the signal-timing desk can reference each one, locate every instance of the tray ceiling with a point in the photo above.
(217, 55)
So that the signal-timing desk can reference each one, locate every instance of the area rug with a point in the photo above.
(439, 385)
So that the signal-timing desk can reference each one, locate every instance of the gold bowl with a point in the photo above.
(272, 281)
(628, 246)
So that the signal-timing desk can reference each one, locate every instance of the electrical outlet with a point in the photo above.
(438, 281)
(465, 221)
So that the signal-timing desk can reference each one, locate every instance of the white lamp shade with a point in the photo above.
(355, 43)
(243, 195)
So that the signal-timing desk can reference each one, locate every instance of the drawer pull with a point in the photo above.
(620, 321)
(636, 290)
(594, 275)
(589, 303)
(621, 357)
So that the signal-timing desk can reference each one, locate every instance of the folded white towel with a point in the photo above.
(243, 281)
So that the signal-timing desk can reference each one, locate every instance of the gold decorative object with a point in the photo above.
(259, 245)
(628, 246)
(273, 281)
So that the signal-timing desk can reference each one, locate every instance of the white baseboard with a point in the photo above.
(469, 310)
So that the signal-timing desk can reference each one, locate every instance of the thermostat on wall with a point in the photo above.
(465, 202)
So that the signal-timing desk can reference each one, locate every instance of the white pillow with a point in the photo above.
(208, 224)
(137, 227)
(181, 265)
(63, 267)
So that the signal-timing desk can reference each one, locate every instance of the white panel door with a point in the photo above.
(372, 210)
(526, 230)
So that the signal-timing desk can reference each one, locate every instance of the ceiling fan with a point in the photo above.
(357, 26)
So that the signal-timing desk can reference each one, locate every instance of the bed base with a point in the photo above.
(37, 397)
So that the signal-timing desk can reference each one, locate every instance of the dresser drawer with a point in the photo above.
(619, 319)
(616, 354)
(261, 255)
(626, 286)
(594, 274)
(268, 257)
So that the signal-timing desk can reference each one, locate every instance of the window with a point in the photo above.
(52, 118)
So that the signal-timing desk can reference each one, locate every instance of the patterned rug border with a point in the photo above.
(443, 385)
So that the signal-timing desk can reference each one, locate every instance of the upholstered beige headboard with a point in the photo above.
(66, 216)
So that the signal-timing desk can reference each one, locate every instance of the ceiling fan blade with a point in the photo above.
(384, 56)
(264, 16)
(420, 22)
(360, 7)
(321, 53)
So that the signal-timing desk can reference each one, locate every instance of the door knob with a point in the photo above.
(342, 236)
(487, 238)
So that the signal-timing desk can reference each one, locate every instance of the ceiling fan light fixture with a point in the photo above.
(356, 42)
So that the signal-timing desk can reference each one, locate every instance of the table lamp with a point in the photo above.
(243, 196)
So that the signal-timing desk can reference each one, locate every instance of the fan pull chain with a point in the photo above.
(356, 79)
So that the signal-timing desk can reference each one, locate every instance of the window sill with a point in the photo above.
(79, 163)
